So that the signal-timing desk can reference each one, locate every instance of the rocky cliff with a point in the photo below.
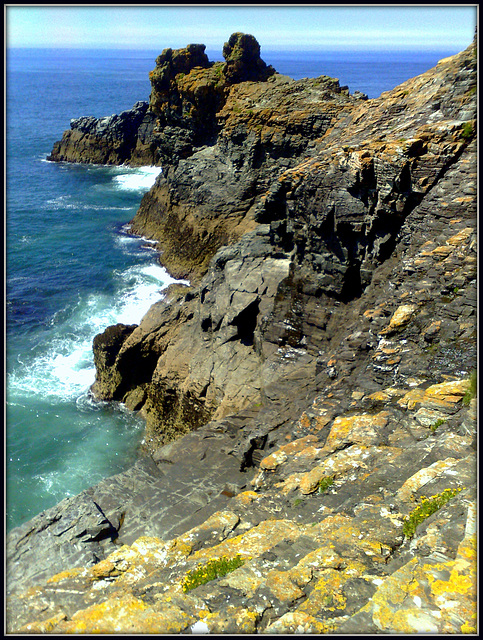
(309, 463)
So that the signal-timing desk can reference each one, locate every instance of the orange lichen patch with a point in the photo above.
(127, 614)
(324, 557)
(130, 563)
(308, 454)
(448, 390)
(386, 394)
(441, 252)
(104, 569)
(272, 461)
(438, 396)
(377, 312)
(400, 318)
(389, 604)
(428, 596)
(247, 497)
(282, 586)
(221, 522)
(245, 579)
(304, 421)
(290, 483)
(70, 573)
(464, 199)
(327, 594)
(427, 248)
(310, 481)
(411, 399)
(456, 584)
(281, 455)
(418, 262)
(361, 428)
(443, 395)
(342, 462)
(253, 542)
(432, 328)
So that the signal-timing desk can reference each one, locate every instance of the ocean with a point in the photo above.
(72, 268)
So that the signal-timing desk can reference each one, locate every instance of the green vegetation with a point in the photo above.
(437, 424)
(467, 130)
(471, 392)
(215, 568)
(325, 483)
(426, 508)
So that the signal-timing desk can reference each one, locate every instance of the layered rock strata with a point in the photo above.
(321, 368)
(321, 228)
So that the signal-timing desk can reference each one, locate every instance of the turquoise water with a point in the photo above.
(72, 268)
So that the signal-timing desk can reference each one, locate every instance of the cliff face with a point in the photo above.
(314, 230)
(320, 370)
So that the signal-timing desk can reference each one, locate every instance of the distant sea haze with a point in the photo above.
(72, 267)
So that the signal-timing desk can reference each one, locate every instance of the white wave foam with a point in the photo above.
(139, 179)
(68, 202)
(63, 366)
(141, 287)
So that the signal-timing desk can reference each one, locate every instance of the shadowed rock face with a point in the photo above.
(318, 370)
(242, 60)
(110, 140)
(312, 231)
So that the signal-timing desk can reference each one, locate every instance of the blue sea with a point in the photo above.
(72, 269)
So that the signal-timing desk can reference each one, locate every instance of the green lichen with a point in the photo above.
(426, 508)
(437, 424)
(215, 568)
(467, 131)
(325, 483)
(471, 391)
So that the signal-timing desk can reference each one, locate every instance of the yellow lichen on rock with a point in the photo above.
(461, 236)
(423, 476)
(362, 428)
(400, 318)
(127, 614)
(46, 626)
(253, 542)
(298, 622)
(70, 573)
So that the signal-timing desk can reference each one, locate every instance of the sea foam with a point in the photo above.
(139, 179)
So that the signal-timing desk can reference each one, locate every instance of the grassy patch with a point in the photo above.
(471, 391)
(437, 424)
(467, 130)
(325, 483)
(426, 508)
(215, 568)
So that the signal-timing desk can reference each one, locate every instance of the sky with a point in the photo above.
(282, 26)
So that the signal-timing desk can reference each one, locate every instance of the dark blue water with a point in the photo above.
(72, 269)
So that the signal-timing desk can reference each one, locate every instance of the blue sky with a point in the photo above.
(448, 27)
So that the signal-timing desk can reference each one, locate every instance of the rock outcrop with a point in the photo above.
(310, 399)
(110, 140)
